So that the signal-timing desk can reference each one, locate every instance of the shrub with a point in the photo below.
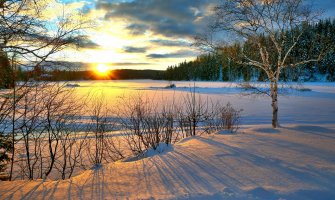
(222, 117)
(5, 148)
(229, 118)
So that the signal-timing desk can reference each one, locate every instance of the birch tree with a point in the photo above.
(274, 27)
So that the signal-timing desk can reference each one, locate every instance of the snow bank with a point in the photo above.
(293, 162)
(161, 148)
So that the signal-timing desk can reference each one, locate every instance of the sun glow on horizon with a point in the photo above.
(102, 69)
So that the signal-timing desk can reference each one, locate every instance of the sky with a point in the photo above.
(146, 34)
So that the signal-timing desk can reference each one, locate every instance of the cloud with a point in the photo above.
(178, 54)
(137, 29)
(80, 41)
(85, 65)
(85, 42)
(169, 18)
(171, 43)
(134, 49)
(129, 64)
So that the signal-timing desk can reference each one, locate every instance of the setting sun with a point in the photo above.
(102, 69)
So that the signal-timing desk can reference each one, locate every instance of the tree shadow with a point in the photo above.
(266, 130)
(200, 168)
(315, 130)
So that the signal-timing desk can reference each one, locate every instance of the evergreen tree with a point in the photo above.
(5, 148)
(6, 72)
(221, 63)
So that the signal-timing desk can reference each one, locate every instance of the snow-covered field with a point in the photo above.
(315, 106)
(296, 161)
(293, 162)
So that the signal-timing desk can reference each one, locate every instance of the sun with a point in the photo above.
(102, 69)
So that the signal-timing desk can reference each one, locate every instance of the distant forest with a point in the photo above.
(70, 75)
(221, 66)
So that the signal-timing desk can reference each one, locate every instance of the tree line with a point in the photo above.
(221, 65)
(77, 75)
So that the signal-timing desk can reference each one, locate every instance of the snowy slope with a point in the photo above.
(292, 162)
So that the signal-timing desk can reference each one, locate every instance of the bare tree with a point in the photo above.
(59, 109)
(29, 38)
(146, 124)
(169, 116)
(12, 116)
(26, 34)
(48, 131)
(132, 112)
(98, 128)
(72, 140)
(275, 27)
(195, 110)
(72, 145)
(115, 148)
(228, 117)
(30, 127)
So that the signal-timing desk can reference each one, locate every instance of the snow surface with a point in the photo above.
(296, 161)
(292, 162)
(295, 107)
(160, 149)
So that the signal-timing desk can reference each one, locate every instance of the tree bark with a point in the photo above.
(274, 104)
(13, 132)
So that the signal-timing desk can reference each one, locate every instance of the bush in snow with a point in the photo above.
(192, 113)
(5, 148)
(229, 118)
(221, 117)
(145, 124)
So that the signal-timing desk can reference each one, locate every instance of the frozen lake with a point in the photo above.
(295, 107)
